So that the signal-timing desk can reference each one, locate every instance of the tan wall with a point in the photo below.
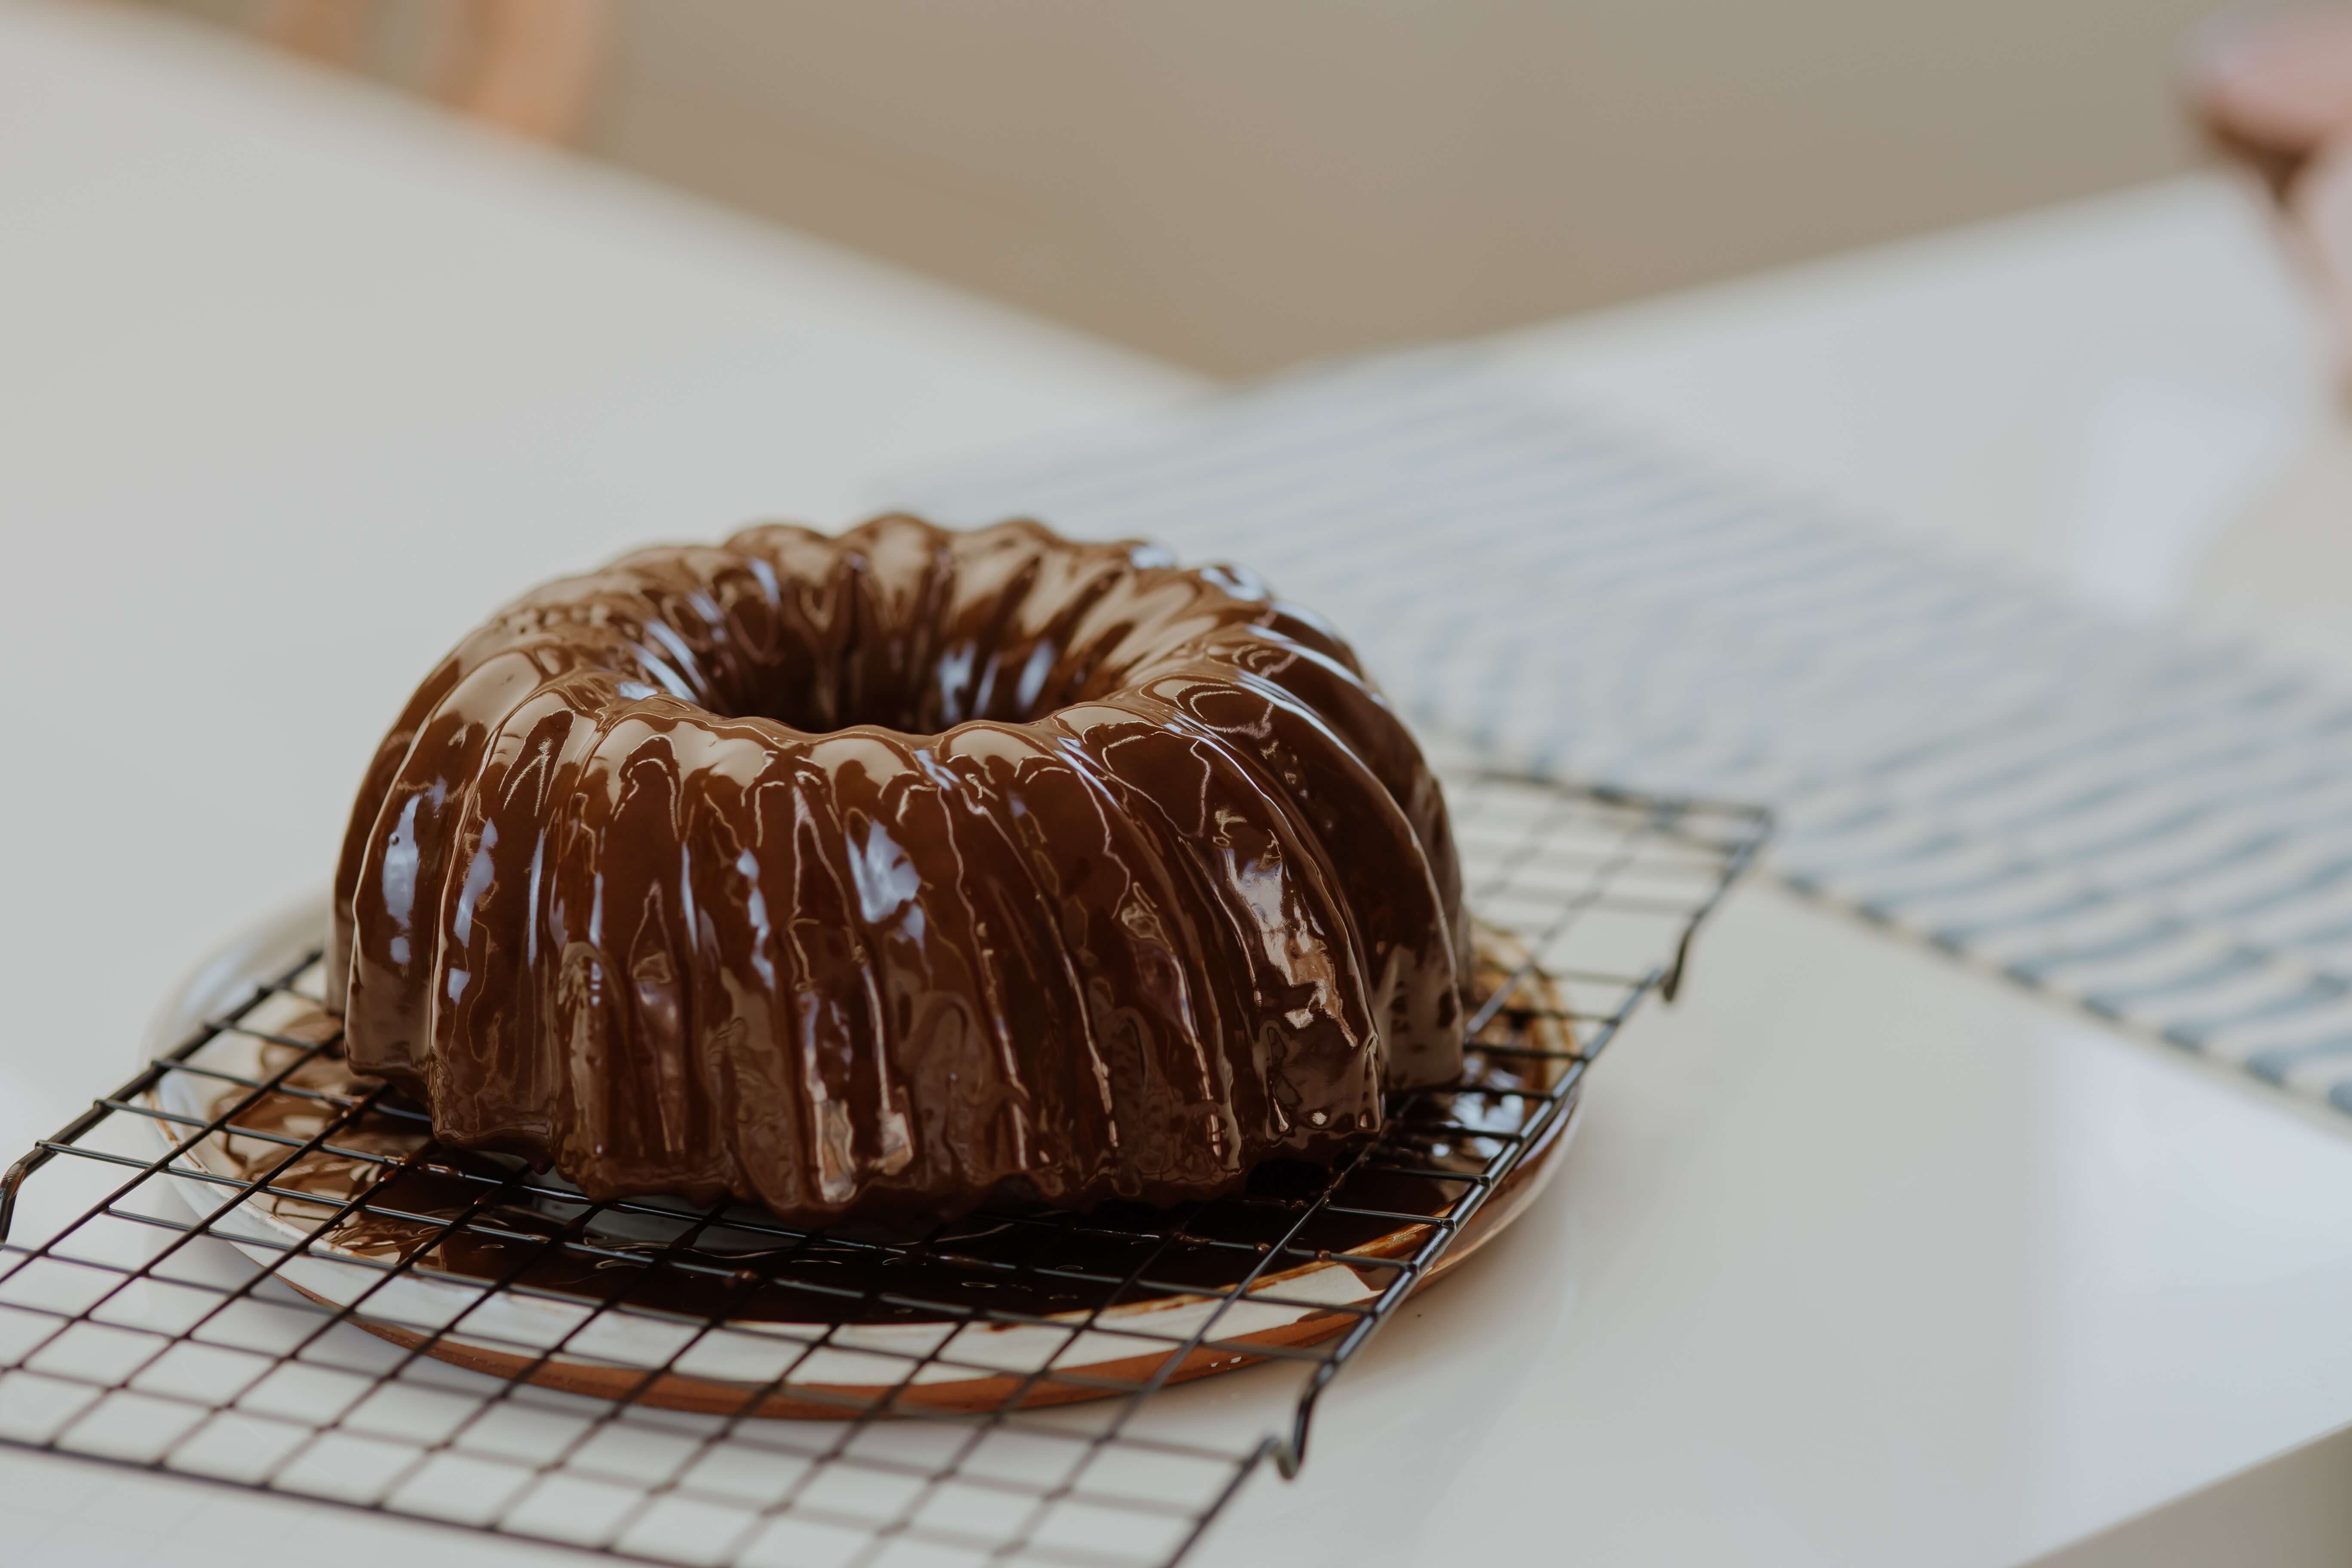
(1240, 184)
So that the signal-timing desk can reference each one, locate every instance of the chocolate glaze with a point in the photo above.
(423, 1203)
(878, 875)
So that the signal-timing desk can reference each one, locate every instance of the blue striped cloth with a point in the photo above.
(2150, 823)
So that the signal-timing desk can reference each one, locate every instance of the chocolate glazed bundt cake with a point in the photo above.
(884, 874)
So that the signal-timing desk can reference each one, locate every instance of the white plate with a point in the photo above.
(681, 1357)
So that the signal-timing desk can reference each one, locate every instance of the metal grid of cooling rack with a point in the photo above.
(148, 1321)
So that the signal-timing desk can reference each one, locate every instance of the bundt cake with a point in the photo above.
(883, 874)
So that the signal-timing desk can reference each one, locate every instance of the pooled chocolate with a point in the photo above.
(883, 874)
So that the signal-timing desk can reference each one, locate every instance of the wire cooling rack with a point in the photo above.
(246, 1267)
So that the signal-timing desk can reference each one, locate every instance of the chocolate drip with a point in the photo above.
(880, 875)
(376, 1184)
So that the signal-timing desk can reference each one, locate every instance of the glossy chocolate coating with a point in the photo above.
(884, 873)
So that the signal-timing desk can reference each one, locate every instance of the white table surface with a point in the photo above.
(1859, 1259)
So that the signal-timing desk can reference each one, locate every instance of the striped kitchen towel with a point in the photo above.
(2148, 823)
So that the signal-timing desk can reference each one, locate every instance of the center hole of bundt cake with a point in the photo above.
(895, 687)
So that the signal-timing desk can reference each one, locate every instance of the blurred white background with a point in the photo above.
(1235, 184)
